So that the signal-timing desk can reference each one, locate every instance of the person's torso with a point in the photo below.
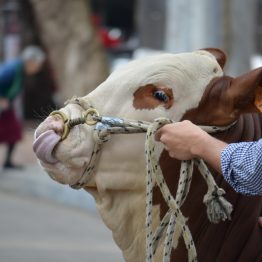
(11, 75)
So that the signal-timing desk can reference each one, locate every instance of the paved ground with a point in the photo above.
(33, 181)
(23, 153)
(33, 230)
(42, 221)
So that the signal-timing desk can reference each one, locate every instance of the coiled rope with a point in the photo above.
(218, 208)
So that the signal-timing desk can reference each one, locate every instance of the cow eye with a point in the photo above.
(161, 96)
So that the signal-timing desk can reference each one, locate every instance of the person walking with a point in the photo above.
(11, 84)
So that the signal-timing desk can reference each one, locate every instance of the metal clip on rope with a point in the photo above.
(90, 117)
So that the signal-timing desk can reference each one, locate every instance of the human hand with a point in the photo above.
(183, 140)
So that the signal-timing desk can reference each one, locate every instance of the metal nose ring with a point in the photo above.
(89, 115)
(66, 121)
(87, 118)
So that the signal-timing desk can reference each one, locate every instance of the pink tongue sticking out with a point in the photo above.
(44, 145)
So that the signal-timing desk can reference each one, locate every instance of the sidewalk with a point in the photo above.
(33, 230)
(41, 220)
(33, 181)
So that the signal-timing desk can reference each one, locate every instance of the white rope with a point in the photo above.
(217, 207)
(155, 173)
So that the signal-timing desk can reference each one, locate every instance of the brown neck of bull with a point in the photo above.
(123, 211)
(246, 210)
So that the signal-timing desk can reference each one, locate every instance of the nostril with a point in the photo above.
(58, 126)
(55, 123)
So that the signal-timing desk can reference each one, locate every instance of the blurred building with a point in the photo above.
(171, 25)
(186, 25)
(10, 30)
(233, 25)
(258, 29)
(130, 25)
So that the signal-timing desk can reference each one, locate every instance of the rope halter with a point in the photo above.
(218, 208)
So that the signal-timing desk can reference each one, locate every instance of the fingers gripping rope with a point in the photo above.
(155, 174)
(217, 207)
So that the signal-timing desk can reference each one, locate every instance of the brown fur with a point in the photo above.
(217, 107)
(223, 102)
(236, 240)
(218, 54)
(144, 97)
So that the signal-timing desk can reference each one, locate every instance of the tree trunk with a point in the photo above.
(73, 48)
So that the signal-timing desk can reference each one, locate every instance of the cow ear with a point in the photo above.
(246, 91)
(218, 54)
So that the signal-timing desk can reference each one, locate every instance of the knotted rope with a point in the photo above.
(218, 208)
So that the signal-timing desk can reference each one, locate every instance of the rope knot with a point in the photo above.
(101, 134)
(218, 208)
(218, 192)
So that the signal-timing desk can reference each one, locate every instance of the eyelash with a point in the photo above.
(161, 96)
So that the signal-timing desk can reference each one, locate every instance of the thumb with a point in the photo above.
(158, 134)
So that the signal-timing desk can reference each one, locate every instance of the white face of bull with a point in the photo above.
(118, 184)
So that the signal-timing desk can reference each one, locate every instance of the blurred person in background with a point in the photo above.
(11, 84)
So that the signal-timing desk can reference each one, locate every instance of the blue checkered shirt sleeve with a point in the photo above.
(241, 165)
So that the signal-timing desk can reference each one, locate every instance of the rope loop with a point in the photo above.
(101, 136)
(218, 208)
(175, 216)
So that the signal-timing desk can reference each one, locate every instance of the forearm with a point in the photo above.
(209, 149)
(184, 141)
(242, 167)
(240, 163)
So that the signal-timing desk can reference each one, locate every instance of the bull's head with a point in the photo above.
(177, 86)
